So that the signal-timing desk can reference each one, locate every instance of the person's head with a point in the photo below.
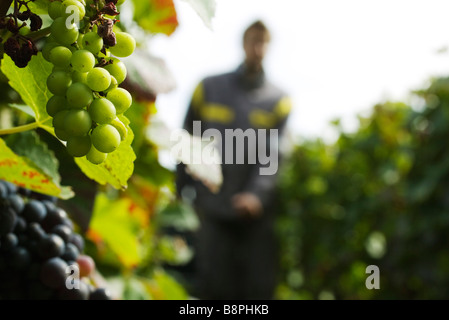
(255, 44)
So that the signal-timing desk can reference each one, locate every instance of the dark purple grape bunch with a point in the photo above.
(39, 249)
(20, 50)
(18, 46)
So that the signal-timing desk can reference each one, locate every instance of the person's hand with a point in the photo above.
(247, 204)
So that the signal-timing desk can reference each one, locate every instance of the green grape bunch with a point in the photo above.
(86, 76)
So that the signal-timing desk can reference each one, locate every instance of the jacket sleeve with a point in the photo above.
(262, 182)
(183, 179)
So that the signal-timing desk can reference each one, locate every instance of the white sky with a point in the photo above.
(335, 58)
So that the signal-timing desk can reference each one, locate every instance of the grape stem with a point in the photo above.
(25, 127)
(39, 34)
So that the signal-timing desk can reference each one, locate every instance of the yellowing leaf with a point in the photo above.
(25, 173)
(112, 221)
(156, 16)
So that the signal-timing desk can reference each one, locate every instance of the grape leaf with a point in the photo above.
(161, 286)
(27, 144)
(39, 6)
(156, 16)
(35, 169)
(200, 163)
(149, 73)
(113, 223)
(31, 84)
(117, 168)
(24, 108)
(179, 215)
(205, 9)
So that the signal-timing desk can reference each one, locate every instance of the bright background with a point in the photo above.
(335, 58)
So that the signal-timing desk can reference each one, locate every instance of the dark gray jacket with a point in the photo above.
(230, 101)
(236, 258)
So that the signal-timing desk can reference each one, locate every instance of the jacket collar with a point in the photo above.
(250, 82)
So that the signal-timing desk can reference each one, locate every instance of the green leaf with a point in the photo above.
(135, 289)
(31, 84)
(39, 6)
(162, 286)
(112, 222)
(205, 9)
(35, 168)
(179, 215)
(201, 163)
(24, 108)
(117, 168)
(149, 73)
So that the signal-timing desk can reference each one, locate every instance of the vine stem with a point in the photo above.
(25, 127)
(36, 35)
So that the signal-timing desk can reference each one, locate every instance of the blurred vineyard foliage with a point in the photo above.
(377, 196)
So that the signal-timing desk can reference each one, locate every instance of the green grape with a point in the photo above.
(55, 9)
(77, 122)
(24, 30)
(55, 104)
(117, 69)
(59, 119)
(83, 61)
(60, 56)
(102, 111)
(125, 45)
(68, 9)
(79, 41)
(105, 138)
(63, 34)
(121, 99)
(79, 76)
(79, 95)
(95, 156)
(113, 85)
(79, 146)
(48, 46)
(121, 128)
(65, 69)
(92, 42)
(98, 79)
(61, 134)
(119, 2)
(58, 82)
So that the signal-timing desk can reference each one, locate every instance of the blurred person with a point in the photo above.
(236, 252)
